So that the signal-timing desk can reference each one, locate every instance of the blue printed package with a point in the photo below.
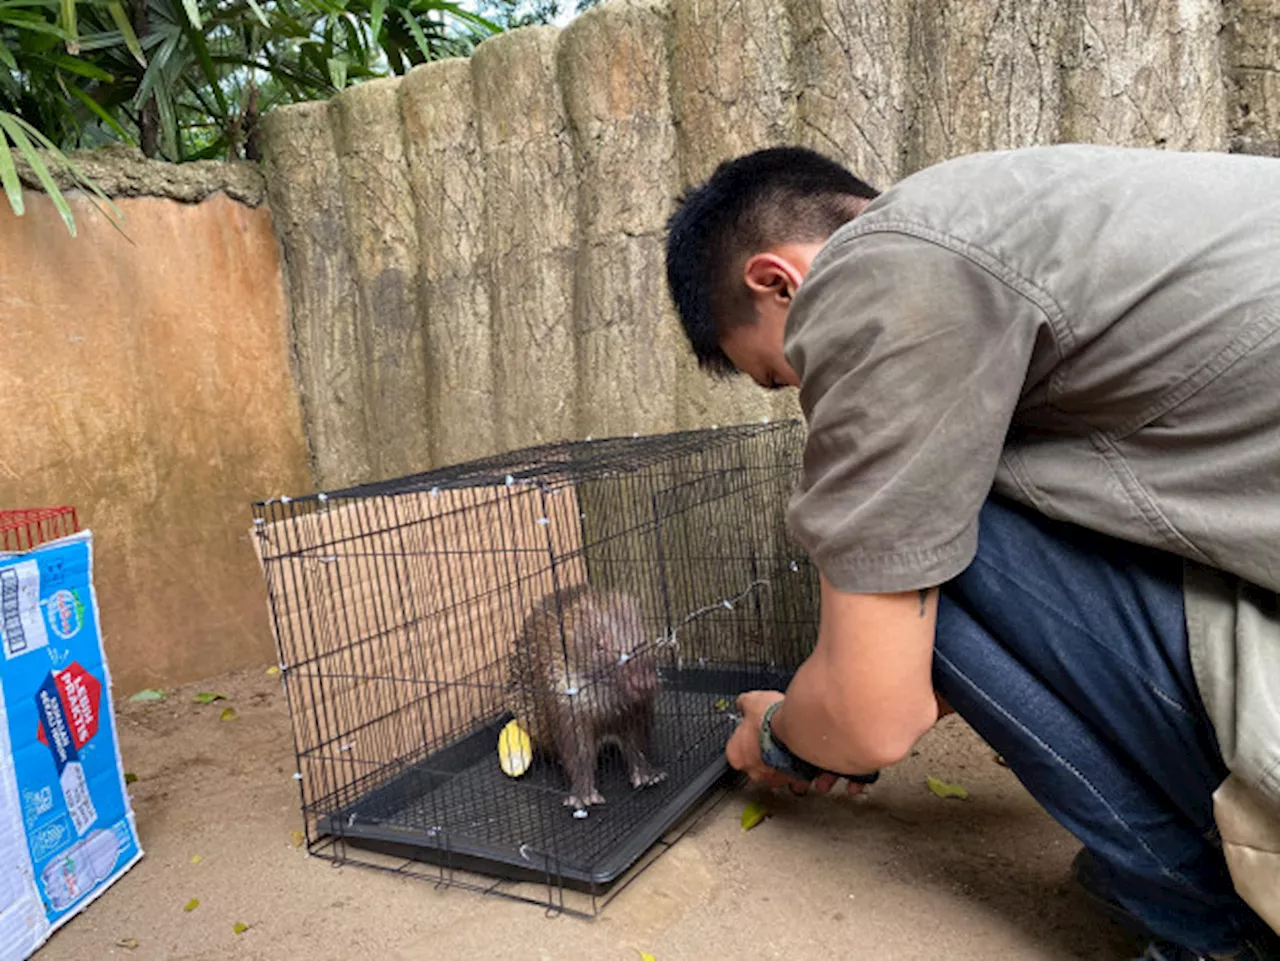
(66, 826)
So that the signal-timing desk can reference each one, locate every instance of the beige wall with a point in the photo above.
(148, 383)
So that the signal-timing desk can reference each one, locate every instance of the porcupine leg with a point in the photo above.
(576, 740)
(635, 742)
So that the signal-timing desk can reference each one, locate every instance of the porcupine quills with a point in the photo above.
(591, 684)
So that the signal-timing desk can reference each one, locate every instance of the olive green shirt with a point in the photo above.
(1091, 331)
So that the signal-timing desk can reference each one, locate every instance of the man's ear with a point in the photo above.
(769, 276)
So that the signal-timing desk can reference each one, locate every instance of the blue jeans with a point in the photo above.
(1067, 652)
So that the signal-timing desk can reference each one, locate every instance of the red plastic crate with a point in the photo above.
(24, 529)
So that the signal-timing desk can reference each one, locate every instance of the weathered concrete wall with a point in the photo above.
(146, 381)
(614, 69)
(453, 293)
(1252, 41)
(539, 174)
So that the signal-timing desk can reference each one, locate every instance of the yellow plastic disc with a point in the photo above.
(515, 750)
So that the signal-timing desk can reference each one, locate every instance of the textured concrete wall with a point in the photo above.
(147, 382)
(1253, 72)
(447, 177)
(511, 217)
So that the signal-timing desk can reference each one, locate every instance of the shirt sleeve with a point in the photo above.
(912, 359)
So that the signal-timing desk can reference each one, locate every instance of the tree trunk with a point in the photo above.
(149, 128)
(149, 115)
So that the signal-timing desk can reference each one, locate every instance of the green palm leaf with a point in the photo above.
(12, 126)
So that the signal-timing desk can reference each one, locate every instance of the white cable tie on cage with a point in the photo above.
(297, 775)
(544, 521)
(322, 497)
(435, 492)
(285, 499)
(795, 568)
(351, 819)
(524, 852)
(624, 657)
(571, 691)
(580, 813)
(258, 522)
(670, 639)
(347, 747)
(510, 480)
(764, 420)
(329, 559)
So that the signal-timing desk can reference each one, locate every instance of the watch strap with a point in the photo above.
(778, 756)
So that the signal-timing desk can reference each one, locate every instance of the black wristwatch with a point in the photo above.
(779, 757)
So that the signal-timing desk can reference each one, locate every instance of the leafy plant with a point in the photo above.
(191, 79)
(20, 134)
(42, 91)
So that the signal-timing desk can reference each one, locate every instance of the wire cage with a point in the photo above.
(518, 674)
(23, 530)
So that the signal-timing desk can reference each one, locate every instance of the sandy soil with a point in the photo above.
(899, 874)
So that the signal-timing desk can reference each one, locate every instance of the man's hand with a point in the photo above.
(743, 749)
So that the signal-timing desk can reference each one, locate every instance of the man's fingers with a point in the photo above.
(825, 783)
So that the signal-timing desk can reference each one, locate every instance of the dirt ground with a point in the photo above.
(899, 874)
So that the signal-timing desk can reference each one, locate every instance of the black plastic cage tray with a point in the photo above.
(404, 816)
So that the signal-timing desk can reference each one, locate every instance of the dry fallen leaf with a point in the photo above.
(150, 694)
(944, 790)
(753, 814)
(273, 669)
(129, 778)
(191, 905)
(230, 714)
(1001, 761)
(128, 943)
(646, 956)
(298, 837)
(197, 858)
(240, 927)
(208, 697)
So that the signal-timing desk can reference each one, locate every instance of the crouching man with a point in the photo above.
(1041, 484)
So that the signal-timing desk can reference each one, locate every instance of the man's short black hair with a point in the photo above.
(770, 197)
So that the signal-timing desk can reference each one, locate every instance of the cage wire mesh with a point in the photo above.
(612, 597)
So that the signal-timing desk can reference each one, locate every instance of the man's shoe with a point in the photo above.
(1093, 879)
(1164, 951)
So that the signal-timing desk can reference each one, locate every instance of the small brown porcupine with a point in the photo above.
(582, 676)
